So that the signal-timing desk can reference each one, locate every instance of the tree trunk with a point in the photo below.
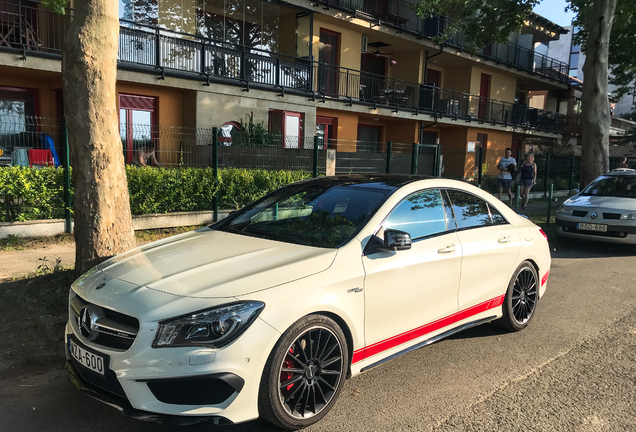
(103, 223)
(596, 118)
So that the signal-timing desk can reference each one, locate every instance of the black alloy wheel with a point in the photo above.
(304, 374)
(521, 298)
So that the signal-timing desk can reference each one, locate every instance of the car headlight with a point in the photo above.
(628, 216)
(565, 211)
(212, 328)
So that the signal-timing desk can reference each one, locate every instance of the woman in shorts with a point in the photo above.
(528, 173)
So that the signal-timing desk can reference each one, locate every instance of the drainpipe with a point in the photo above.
(426, 58)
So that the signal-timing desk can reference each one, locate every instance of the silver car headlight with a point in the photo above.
(628, 216)
(212, 328)
(565, 211)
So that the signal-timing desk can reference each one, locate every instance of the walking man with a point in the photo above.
(506, 165)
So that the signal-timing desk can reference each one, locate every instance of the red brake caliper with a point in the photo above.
(288, 364)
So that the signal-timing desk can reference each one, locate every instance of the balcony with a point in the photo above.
(164, 52)
(205, 59)
(399, 14)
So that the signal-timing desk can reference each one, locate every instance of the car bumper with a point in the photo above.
(621, 234)
(166, 385)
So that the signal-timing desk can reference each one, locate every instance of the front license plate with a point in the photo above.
(90, 360)
(591, 227)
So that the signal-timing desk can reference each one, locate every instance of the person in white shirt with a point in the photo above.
(506, 165)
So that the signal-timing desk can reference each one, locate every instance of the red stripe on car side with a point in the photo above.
(357, 355)
(544, 279)
(394, 341)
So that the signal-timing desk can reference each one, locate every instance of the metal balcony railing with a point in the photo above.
(400, 14)
(164, 51)
(26, 27)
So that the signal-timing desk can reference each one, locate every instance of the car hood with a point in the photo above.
(211, 264)
(602, 201)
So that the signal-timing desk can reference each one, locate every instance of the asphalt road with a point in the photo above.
(573, 369)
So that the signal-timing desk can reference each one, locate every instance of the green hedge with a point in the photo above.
(27, 194)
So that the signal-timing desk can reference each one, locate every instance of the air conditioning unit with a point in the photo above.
(365, 42)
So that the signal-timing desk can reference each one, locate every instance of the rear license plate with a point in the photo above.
(88, 359)
(591, 227)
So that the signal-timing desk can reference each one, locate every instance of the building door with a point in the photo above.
(369, 138)
(482, 142)
(372, 78)
(137, 123)
(326, 131)
(429, 93)
(329, 61)
(484, 95)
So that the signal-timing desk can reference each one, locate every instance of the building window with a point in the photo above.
(18, 109)
(289, 125)
(137, 123)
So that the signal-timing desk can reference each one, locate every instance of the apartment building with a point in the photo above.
(357, 73)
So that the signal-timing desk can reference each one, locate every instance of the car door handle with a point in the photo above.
(446, 249)
(504, 239)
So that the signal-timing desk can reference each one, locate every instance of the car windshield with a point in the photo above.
(320, 215)
(613, 186)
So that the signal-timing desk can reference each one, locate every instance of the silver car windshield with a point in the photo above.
(612, 186)
(317, 215)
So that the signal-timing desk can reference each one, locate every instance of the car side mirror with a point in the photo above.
(395, 240)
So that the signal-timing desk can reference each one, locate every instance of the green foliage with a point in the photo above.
(57, 6)
(239, 186)
(155, 190)
(255, 134)
(28, 194)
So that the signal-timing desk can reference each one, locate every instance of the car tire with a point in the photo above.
(304, 373)
(521, 298)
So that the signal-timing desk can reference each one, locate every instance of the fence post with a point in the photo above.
(389, 150)
(547, 175)
(67, 179)
(414, 159)
(315, 161)
(517, 194)
(157, 49)
(480, 162)
(203, 57)
(215, 171)
(571, 179)
(548, 218)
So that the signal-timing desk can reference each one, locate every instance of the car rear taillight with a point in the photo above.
(544, 234)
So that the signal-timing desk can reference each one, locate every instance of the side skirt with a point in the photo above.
(431, 341)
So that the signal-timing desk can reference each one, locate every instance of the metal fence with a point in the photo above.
(20, 133)
(201, 147)
(195, 147)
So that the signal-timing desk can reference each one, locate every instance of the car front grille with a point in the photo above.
(112, 329)
(579, 213)
(611, 215)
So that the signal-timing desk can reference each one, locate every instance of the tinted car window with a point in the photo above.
(470, 211)
(497, 218)
(614, 186)
(421, 214)
(322, 215)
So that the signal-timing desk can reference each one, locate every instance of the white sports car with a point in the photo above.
(604, 211)
(267, 312)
